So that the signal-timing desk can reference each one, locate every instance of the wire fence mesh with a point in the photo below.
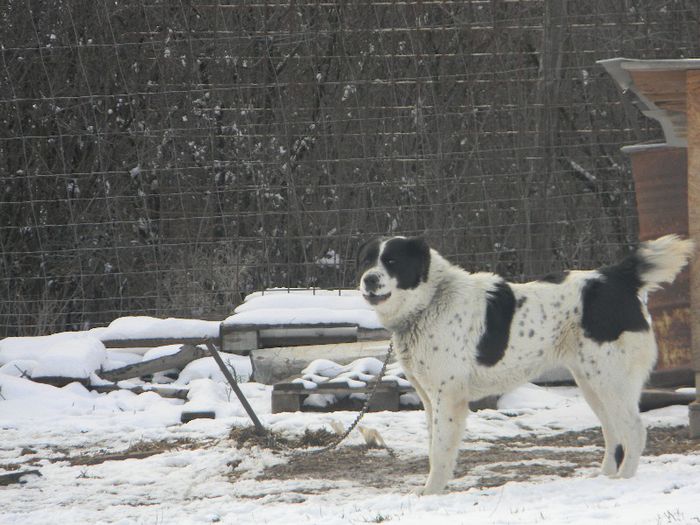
(166, 158)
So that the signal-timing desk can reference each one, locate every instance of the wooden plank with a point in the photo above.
(163, 391)
(671, 377)
(152, 342)
(693, 86)
(60, 382)
(385, 398)
(289, 397)
(372, 334)
(485, 403)
(274, 365)
(305, 336)
(187, 354)
(243, 338)
(259, 429)
(285, 402)
(240, 342)
(694, 415)
(693, 110)
(16, 477)
(667, 89)
(186, 417)
(656, 398)
(234, 327)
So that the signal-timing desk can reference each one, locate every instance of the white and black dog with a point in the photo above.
(461, 336)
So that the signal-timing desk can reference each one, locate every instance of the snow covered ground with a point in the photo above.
(126, 458)
(205, 478)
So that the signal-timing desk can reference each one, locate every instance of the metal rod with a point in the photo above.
(259, 428)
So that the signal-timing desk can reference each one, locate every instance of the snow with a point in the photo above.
(206, 368)
(161, 351)
(192, 486)
(215, 481)
(143, 327)
(282, 306)
(61, 355)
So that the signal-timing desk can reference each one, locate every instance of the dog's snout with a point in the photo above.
(371, 282)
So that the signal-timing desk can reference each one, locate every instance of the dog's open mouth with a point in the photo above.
(374, 299)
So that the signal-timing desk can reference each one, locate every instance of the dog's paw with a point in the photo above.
(426, 491)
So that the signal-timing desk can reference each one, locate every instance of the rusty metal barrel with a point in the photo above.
(661, 187)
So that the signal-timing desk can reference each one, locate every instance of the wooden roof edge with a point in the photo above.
(619, 68)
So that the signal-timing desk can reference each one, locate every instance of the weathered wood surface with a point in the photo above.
(186, 417)
(272, 365)
(693, 115)
(60, 381)
(16, 477)
(657, 398)
(153, 342)
(289, 397)
(671, 377)
(243, 338)
(163, 391)
(186, 354)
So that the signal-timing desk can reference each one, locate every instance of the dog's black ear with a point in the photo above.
(368, 252)
(420, 250)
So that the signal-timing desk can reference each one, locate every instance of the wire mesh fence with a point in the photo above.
(166, 158)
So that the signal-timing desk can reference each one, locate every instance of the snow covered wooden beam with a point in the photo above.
(186, 354)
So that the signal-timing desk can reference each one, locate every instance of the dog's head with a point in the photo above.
(390, 269)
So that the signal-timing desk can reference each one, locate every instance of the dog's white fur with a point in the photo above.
(437, 325)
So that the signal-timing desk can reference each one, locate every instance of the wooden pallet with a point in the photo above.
(243, 338)
(289, 397)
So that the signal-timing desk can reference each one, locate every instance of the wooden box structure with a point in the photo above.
(667, 178)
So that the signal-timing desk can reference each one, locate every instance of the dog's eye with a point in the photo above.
(390, 262)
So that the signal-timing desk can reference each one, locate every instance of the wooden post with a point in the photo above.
(693, 111)
(259, 428)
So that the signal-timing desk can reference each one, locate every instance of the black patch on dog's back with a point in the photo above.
(500, 306)
(555, 278)
(407, 260)
(611, 305)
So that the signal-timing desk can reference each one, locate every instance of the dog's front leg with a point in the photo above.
(427, 405)
(449, 416)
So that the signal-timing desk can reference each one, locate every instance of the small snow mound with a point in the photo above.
(530, 396)
(323, 367)
(319, 400)
(206, 368)
(365, 365)
(67, 354)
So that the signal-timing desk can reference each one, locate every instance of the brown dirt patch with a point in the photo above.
(140, 450)
(505, 460)
(247, 436)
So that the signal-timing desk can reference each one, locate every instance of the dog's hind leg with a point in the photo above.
(615, 372)
(622, 406)
(612, 442)
(449, 415)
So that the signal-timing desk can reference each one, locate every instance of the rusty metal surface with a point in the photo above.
(661, 184)
(672, 329)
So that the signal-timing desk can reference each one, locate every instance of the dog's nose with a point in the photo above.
(371, 282)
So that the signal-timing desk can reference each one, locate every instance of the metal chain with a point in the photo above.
(364, 410)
